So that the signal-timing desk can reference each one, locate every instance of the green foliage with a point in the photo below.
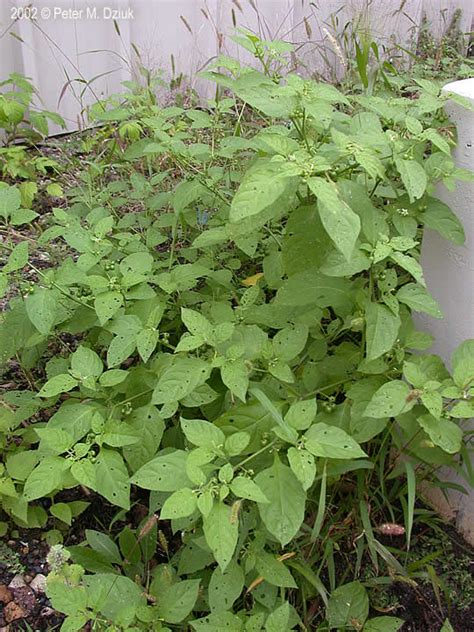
(239, 303)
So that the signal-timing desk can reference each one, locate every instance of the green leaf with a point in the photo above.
(463, 364)
(303, 466)
(64, 599)
(225, 587)
(290, 342)
(284, 512)
(301, 414)
(389, 400)
(181, 504)
(409, 264)
(363, 428)
(41, 309)
(381, 330)
(433, 402)
(203, 433)
(221, 531)
(147, 340)
(413, 177)
(177, 601)
(22, 216)
(279, 619)
(463, 410)
(46, 477)
(339, 220)
(62, 512)
(165, 473)
(58, 384)
(107, 304)
(217, 622)
(244, 487)
(442, 432)
(310, 287)
(120, 349)
(10, 200)
(112, 478)
(348, 606)
(180, 380)
(113, 377)
(18, 258)
(331, 442)
(197, 324)
(235, 376)
(439, 217)
(274, 571)
(417, 298)
(110, 594)
(261, 186)
(86, 363)
(104, 545)
(236, 443)
(447, 627)
(55, 189)
(383, 624)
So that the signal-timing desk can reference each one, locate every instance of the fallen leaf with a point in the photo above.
(12, 612)
(252, 280)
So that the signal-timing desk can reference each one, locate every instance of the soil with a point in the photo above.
(23, 565)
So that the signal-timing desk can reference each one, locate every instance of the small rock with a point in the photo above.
(17, 582)
(46, 612)
(13, 611)
(38, 584)
(28, 578)
(25, 597)
(5, 594)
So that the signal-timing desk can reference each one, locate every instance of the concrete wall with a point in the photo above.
(57, 50)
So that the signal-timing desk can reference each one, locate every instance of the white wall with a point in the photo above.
(56, 50)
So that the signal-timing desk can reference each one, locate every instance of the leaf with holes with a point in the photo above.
(164, 473)
(58, 384)
(418, 299)
(382, 327)
(180, 380)
(177, 601)
(413, 177)
(85, 363)
(221, 532)
(235, 376)
(181, 504)
(112, 478)
(439, 217)
(203, 433)
(442, 432)
(331, 442)
(303, 466)
(45, 478)
(341, 223)
(41, 308)
(107, 304)
(261, 187)
(463, 364)
(274, 571)
(284, 512)
(389, 400)
(348, 606)
(243, 487)
(225, 587)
